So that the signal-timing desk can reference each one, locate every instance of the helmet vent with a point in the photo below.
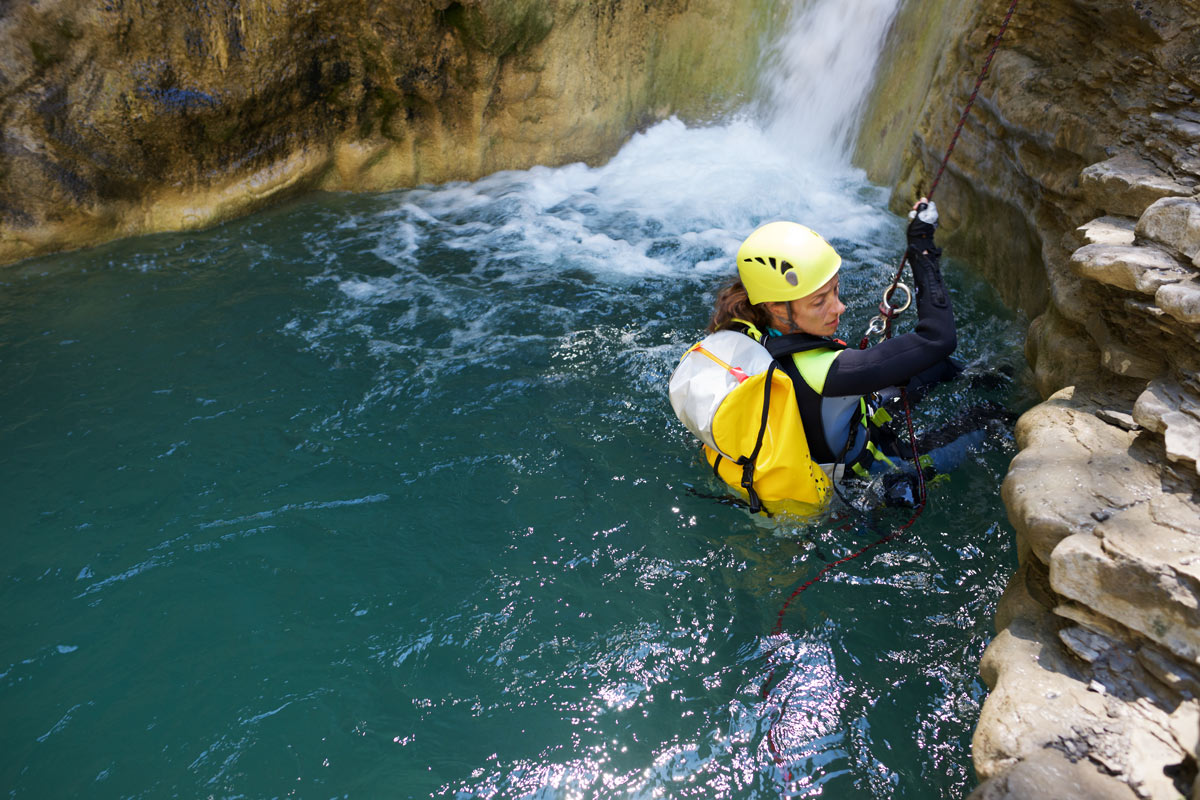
(774, 263)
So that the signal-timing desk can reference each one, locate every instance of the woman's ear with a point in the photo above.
(777, 312)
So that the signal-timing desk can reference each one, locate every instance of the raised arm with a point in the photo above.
(893, 362)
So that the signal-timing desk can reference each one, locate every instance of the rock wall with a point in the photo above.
(133, 116)
(1075, 187)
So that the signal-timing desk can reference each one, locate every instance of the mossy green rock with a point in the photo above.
(132, 116)
(499, 27)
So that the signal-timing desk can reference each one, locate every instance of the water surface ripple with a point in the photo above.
(381, 496)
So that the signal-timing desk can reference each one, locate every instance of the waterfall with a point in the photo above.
(819, 72)
(677, 199)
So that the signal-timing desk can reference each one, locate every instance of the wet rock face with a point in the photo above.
(1084, 100)
(1098, 652)
(127, 116)
(1087, 135)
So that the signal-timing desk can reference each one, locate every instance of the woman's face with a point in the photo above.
(818, 313)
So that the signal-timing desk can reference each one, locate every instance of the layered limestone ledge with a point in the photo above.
(1074, 187)
(1135, 269)
(1105, 498)
(1097, 658)
(1072, 712)
(1126, 184)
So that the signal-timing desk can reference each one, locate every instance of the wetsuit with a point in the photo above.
(832, 381)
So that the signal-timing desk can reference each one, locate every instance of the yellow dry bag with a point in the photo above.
(730, 393)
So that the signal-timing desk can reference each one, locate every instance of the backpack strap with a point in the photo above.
(747, 462)
(751, 329)
(812, 369)
(791, 343)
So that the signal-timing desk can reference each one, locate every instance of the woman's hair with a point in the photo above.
(733, 303)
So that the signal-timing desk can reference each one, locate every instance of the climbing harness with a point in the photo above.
(887, 314)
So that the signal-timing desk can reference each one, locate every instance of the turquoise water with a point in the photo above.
(381, 496)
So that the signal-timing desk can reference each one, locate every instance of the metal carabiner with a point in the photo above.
(889, 310)
(877, 326)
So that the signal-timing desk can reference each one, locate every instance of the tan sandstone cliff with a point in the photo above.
(133, 116)
(1075, 187)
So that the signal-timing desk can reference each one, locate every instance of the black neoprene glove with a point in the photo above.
(922, 225)
(923, 254)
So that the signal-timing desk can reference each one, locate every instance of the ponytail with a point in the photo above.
(733, 303)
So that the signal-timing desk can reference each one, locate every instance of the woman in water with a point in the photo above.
(786, 297)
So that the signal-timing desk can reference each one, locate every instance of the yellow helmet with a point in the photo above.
(784, 261)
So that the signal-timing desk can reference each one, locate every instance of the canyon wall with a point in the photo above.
(1075, 187)
(133, 116)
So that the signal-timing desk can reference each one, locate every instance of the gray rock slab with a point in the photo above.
(1108, 230)
(1175, 223)
(1072, 464)
(1119, 418)
(1167, 408)
(1130, 267)
(1126, 185)
(1140, 567)
(1047, 705)
(1119, 357)
(1051, 774)
(1180, 300)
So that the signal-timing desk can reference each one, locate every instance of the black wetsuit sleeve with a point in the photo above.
(893, 362)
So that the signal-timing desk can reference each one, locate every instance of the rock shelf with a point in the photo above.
(1078, 174)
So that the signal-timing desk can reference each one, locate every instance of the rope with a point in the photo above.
(987, 65)
(962, 121)
(922, 495)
